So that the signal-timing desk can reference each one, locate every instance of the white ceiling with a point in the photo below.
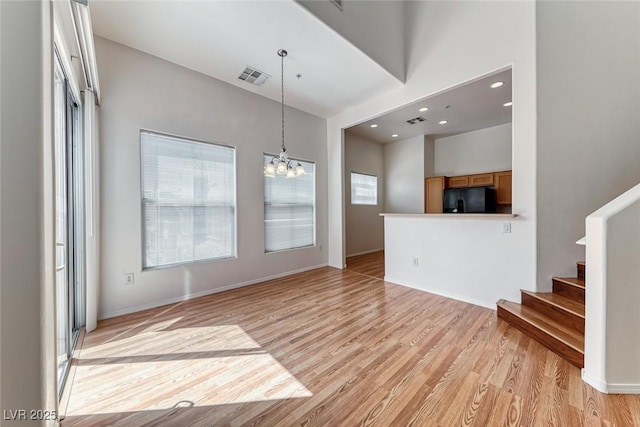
(472, 106)
(220, 38)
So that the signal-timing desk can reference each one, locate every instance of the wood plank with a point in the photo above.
(561, 309)
(560, 339)
(569, 287)
(581, 267)
(326, 347)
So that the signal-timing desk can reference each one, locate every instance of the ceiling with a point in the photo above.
(220, 38)
(472, 106)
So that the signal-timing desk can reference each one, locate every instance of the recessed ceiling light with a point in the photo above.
(423, 109)
(508, 104)
(443, 122)
(496, 85)
(374, 125)
(395, 135)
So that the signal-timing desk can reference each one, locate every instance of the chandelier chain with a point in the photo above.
(282, 93)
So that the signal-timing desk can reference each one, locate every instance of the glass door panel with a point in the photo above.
(61, 222)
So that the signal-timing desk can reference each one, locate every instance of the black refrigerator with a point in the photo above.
(469, 200)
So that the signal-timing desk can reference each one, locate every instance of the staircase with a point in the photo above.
(554, 319)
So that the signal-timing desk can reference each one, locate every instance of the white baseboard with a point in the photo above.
(486, 304)
(624, 388)
(365, 252)
(594, 381)
(604, 387)
(156, 304)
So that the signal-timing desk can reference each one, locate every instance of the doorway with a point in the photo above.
(69, 222)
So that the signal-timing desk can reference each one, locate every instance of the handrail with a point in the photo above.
(613, 295)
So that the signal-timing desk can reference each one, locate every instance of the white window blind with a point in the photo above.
(188, 200)
(289, 210)
(364, 189)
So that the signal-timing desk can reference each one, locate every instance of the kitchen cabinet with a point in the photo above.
(481, 180)
(433, 190)
(502, 182)
(458, 181)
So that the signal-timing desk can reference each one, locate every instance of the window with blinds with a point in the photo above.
(188, 200)
(289, 210)
(364, 189)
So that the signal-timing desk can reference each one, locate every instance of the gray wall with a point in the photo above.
(364, 226)
(142, 91)
(374, 27)
(26, 306)
(484, 150)
(588, 149)
(404, 163)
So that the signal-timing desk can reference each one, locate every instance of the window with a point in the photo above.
(364, 189)
(289, 210)
(188, 200)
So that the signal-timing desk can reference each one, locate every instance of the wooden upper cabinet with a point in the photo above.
(481, 180)
(458, 181)
(433, 189)
(503, 187)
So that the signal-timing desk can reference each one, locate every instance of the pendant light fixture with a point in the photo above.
(282, 165)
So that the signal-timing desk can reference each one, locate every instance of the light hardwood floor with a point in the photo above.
(328, 347)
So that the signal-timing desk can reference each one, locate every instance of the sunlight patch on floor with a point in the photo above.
(158, 369)
(180, 340)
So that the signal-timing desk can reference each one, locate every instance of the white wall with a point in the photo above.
(448, 43)
(27, 321)
(484, 150)
(142, 91)
(612, 295)
(458, 257)
(363, 224)
(588, 127)
(404, 176)
(374, 27)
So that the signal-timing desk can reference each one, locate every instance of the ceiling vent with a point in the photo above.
(253, 76)
(416, 120)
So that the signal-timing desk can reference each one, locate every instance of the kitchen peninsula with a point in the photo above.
(447, 253)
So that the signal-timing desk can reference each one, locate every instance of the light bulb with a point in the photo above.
(270, 170)
(300, 170)
(282, 168)
(290, 172)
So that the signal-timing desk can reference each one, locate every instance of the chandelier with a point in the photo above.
(282, 165)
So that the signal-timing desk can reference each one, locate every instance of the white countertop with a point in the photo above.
(453, 215)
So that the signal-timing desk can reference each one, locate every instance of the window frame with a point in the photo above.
(351, 189)
(142, 201)
(315, 207)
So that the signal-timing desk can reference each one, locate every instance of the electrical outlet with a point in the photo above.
(506, 227)
(128, 279)
(415, 262)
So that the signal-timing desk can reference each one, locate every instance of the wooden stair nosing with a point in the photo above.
(566, 343)
(557, 304)
(565, 311)
(570, 287)
(571, 281)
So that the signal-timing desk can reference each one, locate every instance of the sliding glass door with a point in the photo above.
(69, 222)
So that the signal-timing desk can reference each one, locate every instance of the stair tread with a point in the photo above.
(560, 301)
(574, 281)
(551, 327)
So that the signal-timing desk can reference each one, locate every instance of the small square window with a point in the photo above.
(364, 189)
